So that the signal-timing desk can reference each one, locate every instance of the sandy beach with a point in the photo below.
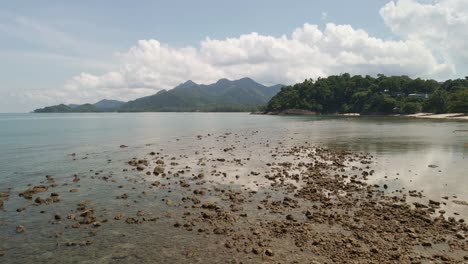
(452, 116)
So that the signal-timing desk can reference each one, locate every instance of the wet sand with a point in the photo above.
(231, 198)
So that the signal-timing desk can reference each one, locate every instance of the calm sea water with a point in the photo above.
(35, 145)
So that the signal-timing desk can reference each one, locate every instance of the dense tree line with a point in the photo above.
(373, 95)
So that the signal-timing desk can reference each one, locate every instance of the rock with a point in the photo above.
(20, 229)
(156, 183)
(419, 205)
(432, 166)
(219, 231)
(269, 253)
(123, 146)
(124, 196)
(290, 217)
(158, 170)
(39, 200)
(74, 190)
(57, 217)
(36, 189)
(131, 220)
(119, 216)
(426, 244)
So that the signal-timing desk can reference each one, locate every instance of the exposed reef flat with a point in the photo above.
(233, 198)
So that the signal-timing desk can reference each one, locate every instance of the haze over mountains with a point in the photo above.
(225, 95)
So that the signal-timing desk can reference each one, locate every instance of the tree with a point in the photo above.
(458, 101)
(437, 102)
(412, 108)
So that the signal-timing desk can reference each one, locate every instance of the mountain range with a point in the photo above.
(223, 96)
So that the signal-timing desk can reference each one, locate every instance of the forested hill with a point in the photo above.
(368, 95)
(225, 95)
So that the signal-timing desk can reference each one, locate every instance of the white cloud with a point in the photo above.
(425, 50)
(441, 25)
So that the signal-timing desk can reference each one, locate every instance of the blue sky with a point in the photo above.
(79, 51)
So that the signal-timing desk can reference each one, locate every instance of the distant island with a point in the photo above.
(381, 95)
(243, 95)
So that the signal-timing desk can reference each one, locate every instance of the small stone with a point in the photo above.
(119, 216)
(269, 253)
(20, 229)
(290, 217)
(158, 170)
(131, 220)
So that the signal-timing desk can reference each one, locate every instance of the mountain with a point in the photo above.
(225, 95)
(108, 104)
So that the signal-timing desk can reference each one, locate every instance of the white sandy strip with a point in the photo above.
(441, 116)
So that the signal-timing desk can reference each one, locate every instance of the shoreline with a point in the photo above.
(447, 116)
(450, 116)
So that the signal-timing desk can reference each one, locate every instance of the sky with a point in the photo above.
(82, 51)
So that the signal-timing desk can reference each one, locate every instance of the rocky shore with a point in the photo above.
(273, 202)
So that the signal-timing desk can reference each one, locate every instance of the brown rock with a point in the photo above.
(119, 216)
(158, 170)
(20, 229)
